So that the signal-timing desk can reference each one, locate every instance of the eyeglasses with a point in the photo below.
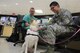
(52, 7)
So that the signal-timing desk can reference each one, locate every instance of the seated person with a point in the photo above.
(61, 18)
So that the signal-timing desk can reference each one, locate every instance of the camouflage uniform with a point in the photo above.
(57, 26)
(60, 20)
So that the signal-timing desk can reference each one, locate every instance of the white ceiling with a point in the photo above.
(22, 6)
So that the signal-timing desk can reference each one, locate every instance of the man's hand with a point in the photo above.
(26, 24)
(41, 28)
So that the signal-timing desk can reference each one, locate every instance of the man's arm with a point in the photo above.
(52, 21)
(67, 18)
(26, 19)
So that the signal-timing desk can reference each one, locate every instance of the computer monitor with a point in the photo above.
(13, 19)
(3, 19)
(45, 21)
(7, 20)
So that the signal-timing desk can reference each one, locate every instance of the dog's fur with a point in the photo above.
(31, 40)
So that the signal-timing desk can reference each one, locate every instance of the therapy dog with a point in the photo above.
(31, 38)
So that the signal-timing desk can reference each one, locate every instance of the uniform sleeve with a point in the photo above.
(52, 21)
(67, 17)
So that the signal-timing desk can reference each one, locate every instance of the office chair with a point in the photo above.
(20, 31)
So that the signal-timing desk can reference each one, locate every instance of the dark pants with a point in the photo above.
(24, 31)
(0, 29)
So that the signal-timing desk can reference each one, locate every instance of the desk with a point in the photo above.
(7, 31)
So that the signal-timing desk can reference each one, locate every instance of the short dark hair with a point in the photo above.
(54, 3)
(31, 8)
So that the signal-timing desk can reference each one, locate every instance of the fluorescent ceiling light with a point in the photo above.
(38, 11)
(31, 1)
(17, 3)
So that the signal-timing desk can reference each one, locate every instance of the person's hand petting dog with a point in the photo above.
(27, 24)
(41, 28)
(33, 29)
(37, 29)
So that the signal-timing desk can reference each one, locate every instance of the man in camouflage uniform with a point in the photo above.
(61, 18)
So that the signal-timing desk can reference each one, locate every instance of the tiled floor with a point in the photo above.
(7, 47)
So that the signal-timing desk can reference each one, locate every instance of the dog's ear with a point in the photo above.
(34, 23)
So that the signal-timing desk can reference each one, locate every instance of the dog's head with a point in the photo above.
(34, 25)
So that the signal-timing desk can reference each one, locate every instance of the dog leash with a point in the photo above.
(69, 37)
(64, 40)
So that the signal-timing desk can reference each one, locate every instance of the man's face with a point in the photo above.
(32, 11)
(54, 9)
